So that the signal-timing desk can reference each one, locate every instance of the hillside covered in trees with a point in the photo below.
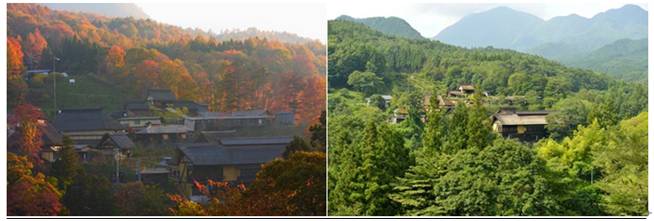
(448, 161)
(102, 65)
(227, 75)
(393, 26)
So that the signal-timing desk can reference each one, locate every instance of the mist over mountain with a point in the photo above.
(105, 9)
(393, 26)
(504, 27)
(562, 38)
(499, 27)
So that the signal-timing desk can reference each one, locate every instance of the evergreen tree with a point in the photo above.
(67, 167)
(363, 187)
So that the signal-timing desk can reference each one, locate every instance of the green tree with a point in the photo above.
(366, 82)
(500, 179)
(624, 164)
(137, 199)
(367, 168)
(89, 195)
(67, 167)
(319, 132)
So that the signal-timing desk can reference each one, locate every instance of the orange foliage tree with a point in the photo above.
(115, 61)
(14, 58)
(35, 44)
(27, 194)
(27, 116)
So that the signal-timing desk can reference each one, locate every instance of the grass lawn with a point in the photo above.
(87, 91)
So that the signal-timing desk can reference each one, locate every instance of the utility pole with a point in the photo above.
(117, 159)
(54, 80)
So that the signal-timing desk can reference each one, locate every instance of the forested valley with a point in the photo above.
(450, 161)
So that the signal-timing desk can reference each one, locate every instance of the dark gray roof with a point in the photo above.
(85, 119)
(209, 154)
(121, 140)
(160, 95)
(258, 113)
(238, 141)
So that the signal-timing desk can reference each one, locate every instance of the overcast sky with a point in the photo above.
(429, 19)
(304, 19)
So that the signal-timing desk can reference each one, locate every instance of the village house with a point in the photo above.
(85, 126)
(399, 115)
(447, 103)
(137, 108)
(216, 121)
(467, 89)
(51, 140)
(234, 160)
(525, 126)
(160, 97)
(139, 121)
(157, 175)
(110, 144)
(158, 134)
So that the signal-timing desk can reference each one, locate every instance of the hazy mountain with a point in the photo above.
(507, 28)
(254, 32)
(393, 26)
(105, 9)
(499, 27)
(563, 38)
(625, 58)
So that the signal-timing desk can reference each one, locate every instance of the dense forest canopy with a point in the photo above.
(440, 161)
(137, 54)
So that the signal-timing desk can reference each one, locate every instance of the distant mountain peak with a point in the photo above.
(392, 25)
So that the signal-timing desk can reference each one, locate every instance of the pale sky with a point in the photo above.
(429, 19)
(304, 19)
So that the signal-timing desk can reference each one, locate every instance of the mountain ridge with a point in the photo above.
(394, 26)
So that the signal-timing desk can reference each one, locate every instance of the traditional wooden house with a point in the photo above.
(158, 134)
(51, 140)
(138, 122)
(467, 89)
(120, 142)
(86, 126)
(234, 160)
(160, 97)
(217, 121)
(137, 108)
(399, 115)
(446, 103)
(285, 118)
(525, 126)
(157, 175)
